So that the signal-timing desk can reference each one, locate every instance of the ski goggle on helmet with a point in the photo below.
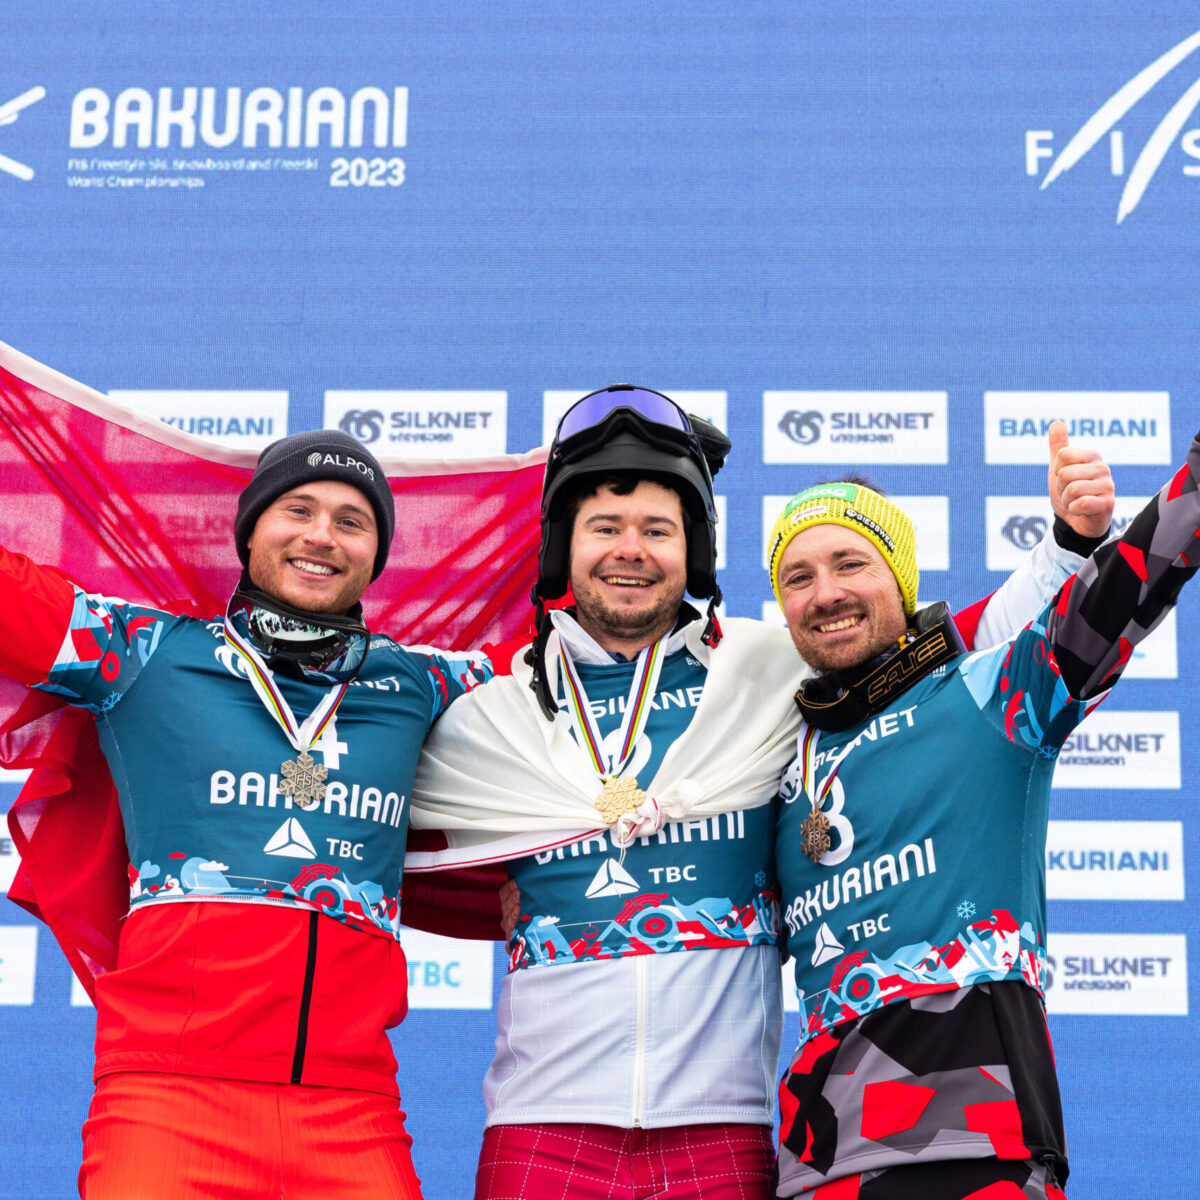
(629, 430)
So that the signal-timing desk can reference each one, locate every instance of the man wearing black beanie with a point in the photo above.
(264, 793)
(322, 454)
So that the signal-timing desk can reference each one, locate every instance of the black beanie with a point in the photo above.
(306, 458)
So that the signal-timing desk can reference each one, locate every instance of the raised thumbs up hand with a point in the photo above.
(1081, 485)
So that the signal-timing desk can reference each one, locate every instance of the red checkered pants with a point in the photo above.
(602, 1162)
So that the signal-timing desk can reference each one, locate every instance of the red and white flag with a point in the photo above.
(126, 506)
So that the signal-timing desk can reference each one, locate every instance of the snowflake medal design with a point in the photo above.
(304, 780)
(620, 796)
(814, 834)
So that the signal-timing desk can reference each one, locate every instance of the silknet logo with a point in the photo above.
(1115, 749)
(803, 428)
(9, 111)
(1015, 524)
(1024, 532)
(363, 424)
(1130, 974)
(1105, 122)
(854, 427)
(200, 533)
(422, 424)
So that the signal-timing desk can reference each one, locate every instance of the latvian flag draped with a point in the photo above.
(127, 506)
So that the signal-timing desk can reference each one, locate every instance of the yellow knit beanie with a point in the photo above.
(858, 508)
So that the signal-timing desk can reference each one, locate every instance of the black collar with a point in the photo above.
(838, 700)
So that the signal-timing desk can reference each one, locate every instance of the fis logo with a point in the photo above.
(1024, 532)
(363, 424)
(1103, 122)
(804, 428)
(8, 114)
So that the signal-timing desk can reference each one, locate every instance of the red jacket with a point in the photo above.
(214, 988)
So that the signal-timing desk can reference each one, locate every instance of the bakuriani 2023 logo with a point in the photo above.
(188, 137)
(1105, 121)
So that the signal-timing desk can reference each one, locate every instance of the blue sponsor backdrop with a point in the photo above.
(711, 196)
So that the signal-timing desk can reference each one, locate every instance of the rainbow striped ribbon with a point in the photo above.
(302, 735)
(806, 751)
(637, 709)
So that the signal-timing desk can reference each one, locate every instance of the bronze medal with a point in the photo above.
(814, 834)
(620, 796)
(303, 780)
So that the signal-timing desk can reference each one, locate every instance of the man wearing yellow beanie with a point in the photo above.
(844, 516)
(910, 846)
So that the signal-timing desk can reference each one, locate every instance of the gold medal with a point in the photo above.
(304, 780)
(814, 834)
(620, 796)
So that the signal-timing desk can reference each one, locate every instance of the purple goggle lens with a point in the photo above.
(592, 410)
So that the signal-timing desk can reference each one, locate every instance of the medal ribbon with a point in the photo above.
(637, 708)
(806, 751)
(301, 735)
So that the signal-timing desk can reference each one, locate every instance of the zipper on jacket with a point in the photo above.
(639, 1045)
(310, 969)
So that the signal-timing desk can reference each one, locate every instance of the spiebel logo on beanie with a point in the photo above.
(317, 459)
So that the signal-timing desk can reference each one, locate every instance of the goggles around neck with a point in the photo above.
(314, 647)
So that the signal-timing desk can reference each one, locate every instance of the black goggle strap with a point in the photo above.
(536, 657)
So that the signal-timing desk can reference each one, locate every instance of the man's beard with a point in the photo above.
(628, 624)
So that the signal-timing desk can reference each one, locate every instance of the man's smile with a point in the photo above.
(626, 581)
(838, 624)
(311, 567)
